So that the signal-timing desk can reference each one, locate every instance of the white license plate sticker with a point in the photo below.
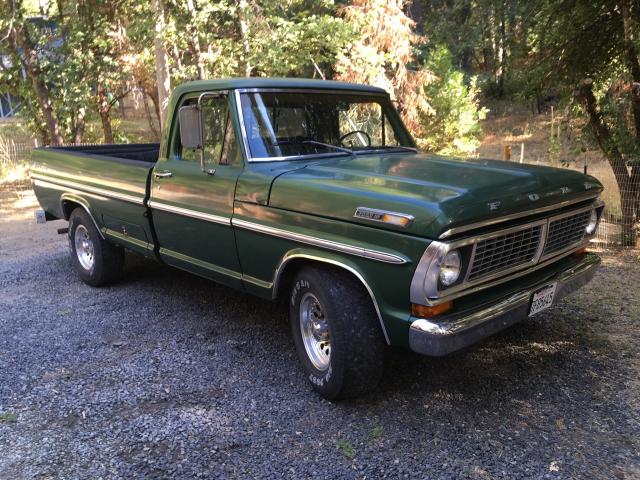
(542, 299)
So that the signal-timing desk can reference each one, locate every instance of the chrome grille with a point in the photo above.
(566, 231)
(505, 251)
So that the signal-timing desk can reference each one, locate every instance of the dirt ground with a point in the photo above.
(165, 375)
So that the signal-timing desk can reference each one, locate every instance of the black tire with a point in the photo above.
(357, 345)
(107, 260)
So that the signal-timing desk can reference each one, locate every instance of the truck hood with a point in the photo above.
(440, 192)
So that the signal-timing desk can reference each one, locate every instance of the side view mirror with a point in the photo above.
(190, 127)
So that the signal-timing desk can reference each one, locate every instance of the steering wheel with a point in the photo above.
(355, 132)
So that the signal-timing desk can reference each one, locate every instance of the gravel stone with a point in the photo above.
(166, 375)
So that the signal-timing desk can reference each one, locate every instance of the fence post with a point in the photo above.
(506, 152)
(522, 152)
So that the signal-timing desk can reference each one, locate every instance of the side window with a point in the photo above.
(220, 145)
(389, 135)
(214, 120)
(231, 153)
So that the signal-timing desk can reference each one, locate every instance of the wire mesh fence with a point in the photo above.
(616, 229)
(13, 154)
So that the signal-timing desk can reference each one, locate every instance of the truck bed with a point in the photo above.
(110, 179)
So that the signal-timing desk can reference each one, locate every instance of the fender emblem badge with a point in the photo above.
(383, 216)
(494, 205)
(534, 197)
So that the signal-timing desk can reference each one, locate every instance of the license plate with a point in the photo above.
(542, 299)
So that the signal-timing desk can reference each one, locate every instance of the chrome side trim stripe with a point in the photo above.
(320, 242)
(207, 217)
(52, 182)
(493, 221)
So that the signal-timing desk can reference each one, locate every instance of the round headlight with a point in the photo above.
(593, 223)
(450, 268)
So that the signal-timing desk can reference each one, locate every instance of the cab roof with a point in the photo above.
(258, 82)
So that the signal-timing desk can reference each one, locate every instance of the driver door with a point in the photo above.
(192, 206)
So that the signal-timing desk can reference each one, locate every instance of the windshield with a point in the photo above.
(292, 124)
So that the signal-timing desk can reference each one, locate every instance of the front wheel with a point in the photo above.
(97, 261)
(336, 333)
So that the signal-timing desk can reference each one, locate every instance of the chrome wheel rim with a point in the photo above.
(84, 247)
(315, 331)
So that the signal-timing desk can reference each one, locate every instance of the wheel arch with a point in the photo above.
(69, 202)
(295, 260)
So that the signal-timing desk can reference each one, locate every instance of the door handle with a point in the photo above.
(163, 174)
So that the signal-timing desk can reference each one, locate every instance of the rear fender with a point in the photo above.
(70, 201)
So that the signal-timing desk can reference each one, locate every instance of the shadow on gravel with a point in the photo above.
(538, 357)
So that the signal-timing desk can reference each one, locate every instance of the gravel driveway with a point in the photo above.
(166, 375)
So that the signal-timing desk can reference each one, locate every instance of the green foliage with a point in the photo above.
(454, 126)
(283, 37)
(92, 53)
(346, 448)
(377, 432)
(489, 39)
(8, 417)
(286, 42)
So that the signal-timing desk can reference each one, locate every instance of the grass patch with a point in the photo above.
(377, 432)
(346, 448)
(8, 417)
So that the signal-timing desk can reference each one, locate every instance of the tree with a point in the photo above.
(21, 39)
(99, 35)
(383, 55)
(454, 127)
(486, 38)
(590, 49)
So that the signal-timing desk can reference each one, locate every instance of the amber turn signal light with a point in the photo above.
(580, 252)
(423, 311)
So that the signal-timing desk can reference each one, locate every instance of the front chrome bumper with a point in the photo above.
(442, 335)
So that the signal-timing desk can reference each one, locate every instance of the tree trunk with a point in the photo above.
(244, 35)
(147, 111)
(195, 41)
(632, 63)
(629, 190)
(104, 110)
(162, 62)
(105, 118)
(31, 66)
(78, 134)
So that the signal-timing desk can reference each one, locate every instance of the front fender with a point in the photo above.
(319, 256)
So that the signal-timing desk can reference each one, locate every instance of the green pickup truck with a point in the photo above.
(314, 192)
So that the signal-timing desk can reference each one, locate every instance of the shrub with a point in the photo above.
(454, 126)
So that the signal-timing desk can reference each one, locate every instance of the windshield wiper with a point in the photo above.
(397, 147)
(320, 144)
(328, 145)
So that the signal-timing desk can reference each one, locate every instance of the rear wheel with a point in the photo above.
(336, 332)
(97, 261)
